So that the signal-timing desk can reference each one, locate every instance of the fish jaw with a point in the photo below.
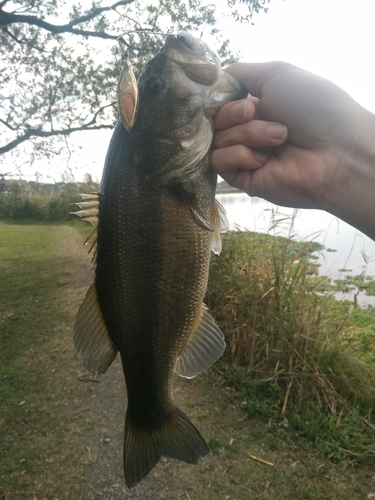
(189, 49)
(177, 123)
(196, 70)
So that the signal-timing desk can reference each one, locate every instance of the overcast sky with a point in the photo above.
(333, 38)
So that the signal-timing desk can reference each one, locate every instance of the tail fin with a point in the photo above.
(176, 438)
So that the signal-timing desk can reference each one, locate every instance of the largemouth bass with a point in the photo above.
(157, 222)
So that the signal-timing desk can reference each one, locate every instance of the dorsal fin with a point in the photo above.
(92, 343)
(220, 225)
(203, 349)
(89, 211)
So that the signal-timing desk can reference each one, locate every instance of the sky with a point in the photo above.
(332, 38)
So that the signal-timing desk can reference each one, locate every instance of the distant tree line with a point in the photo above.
(22, 200)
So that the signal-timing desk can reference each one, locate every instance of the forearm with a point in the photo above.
(351, 196)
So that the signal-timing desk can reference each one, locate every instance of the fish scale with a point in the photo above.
(157, 224)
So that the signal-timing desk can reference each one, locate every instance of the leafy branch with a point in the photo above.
(37, 132)
(7, 18)
(57, 76)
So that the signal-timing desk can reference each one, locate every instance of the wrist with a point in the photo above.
(352, 196)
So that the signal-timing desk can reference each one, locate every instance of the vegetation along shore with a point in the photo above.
(290, 403)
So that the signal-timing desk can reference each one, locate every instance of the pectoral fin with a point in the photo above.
(204, 348)
(198, 218)
(191, 208)
(220, 225)
(92, 343)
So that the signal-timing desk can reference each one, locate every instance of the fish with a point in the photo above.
(156, 222)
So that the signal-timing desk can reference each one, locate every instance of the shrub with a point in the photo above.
(290, 345)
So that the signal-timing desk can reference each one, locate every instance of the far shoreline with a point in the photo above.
(227, 190)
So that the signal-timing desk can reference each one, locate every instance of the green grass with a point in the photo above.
(35, 270)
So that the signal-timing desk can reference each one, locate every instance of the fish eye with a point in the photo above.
(186, 38)
(154, 84)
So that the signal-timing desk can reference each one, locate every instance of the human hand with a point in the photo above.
(309, 162)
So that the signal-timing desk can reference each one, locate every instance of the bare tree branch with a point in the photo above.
(7, 18)
(65, 85)
(43, 133)
(7, 125)
(97, 11)
(36, 132)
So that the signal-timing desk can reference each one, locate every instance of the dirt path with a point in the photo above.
(101, 401)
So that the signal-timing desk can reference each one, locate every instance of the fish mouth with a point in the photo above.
(188, 49)
(201, 66)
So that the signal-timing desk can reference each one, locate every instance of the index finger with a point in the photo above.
(255, 75)
(235, 113)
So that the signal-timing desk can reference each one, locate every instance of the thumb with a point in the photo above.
(255, 75)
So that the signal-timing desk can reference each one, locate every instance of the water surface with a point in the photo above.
(346, 247)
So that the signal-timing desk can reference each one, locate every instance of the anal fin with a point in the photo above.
(92, 343)
(205, 347)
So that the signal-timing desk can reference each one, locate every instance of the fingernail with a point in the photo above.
(276, 131)
(261, 157)
(238, 112)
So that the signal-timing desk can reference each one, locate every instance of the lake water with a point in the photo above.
(352, 249)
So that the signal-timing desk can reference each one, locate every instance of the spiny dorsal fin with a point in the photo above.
(89, 208)
(203, 349)
(92, 343)
(220, 224)
(89, 211)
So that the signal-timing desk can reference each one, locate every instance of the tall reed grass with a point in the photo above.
(295, 346)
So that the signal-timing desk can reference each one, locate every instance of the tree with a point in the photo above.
(59, 64)
(243, 10)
